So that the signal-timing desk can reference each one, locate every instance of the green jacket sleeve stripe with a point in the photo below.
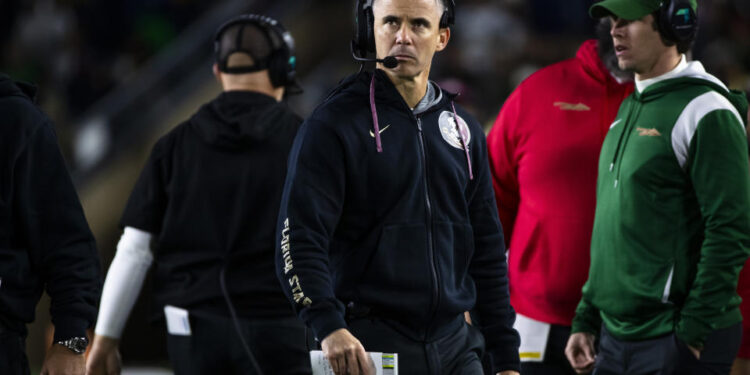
(687, 123)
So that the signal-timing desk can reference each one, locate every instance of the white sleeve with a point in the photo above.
(124, 281)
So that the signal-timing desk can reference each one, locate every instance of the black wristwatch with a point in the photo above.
(75, 344)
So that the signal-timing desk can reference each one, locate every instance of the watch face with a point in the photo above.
(76, 344)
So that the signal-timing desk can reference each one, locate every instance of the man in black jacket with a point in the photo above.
(45, 242)
(388, 229)
(209, 196)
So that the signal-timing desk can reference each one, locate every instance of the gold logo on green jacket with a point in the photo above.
(643, 132)
(572, 107)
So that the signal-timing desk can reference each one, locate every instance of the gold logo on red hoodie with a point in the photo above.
(572, 107)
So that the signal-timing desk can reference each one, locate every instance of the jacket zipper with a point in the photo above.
(622, 141)
(668, 286)
(431, 250)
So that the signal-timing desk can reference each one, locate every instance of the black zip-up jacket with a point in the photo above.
(210, 194)
(405, 233)
(45, 241)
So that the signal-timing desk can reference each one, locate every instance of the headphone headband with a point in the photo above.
(281, 62)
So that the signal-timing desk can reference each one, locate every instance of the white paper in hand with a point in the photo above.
(385, 363)
(178, 323)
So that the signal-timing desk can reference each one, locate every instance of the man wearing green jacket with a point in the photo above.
(672, 223)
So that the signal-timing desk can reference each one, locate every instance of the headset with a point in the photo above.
(364, 38)
(677, 20)
(281, 64)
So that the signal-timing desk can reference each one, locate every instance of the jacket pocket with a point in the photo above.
(15, 271)
(397, 273)
(19, 288)
(454, 247)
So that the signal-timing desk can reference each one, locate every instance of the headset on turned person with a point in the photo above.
(281, 64)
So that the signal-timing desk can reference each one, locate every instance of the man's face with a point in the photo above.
(409, 31)
(638, 46)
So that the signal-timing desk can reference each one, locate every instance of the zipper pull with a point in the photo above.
(611, 166)
(419, 124)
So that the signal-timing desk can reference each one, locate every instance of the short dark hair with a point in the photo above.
(682, 46)
(442, 3)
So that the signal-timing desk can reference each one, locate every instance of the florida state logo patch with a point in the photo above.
(450, 132)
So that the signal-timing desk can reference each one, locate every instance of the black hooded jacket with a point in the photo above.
(45, 241)
(406, 232)
(210, 194)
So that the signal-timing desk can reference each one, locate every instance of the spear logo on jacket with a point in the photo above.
(449, 132)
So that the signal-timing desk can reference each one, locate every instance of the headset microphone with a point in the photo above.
(389, 62)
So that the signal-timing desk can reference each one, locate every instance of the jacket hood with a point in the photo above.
(694, 74)
(237, 118)
(358, 85)
(588, 55)
(10, 88)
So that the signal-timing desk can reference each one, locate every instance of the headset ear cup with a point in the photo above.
(665, 20)
(360, 36)
(683, 20)
(370, 24)
(447, 19)
(277, 68)
(216, 50)
(677, 20)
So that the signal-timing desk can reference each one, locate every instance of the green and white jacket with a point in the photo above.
(672, 224)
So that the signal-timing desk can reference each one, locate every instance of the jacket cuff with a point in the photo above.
(580, 325)
(692, 331)
(505, 359)
(323, 323)
(587, 319)
(67, 327)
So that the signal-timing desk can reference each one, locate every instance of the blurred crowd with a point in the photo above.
(79, 50)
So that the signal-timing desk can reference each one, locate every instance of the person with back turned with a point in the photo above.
(207, 199)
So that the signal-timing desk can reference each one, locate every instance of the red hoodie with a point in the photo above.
(544, 150)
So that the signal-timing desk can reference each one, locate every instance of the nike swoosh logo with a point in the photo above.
(572, 107)
(615, 123)
(379, 132)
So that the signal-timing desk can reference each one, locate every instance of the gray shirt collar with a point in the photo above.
(431, 97)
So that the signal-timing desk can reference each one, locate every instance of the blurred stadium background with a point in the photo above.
(115, 75)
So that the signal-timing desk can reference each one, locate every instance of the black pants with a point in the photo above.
(666, 355)
(279, 346)
(13, 359)
(457, 352)
(555, 362)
